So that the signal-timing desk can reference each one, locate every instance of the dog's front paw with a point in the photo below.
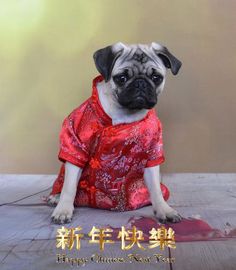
(167, 214)
(62, 213)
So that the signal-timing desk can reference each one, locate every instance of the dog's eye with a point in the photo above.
(156, 78)
(121, 79)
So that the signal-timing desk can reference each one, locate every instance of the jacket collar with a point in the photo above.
(96, 102)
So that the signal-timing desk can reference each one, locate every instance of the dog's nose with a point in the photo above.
(140, 83)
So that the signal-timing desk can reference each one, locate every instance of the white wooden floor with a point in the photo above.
(206, 239)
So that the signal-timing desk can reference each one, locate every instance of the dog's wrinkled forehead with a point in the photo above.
(137, 58)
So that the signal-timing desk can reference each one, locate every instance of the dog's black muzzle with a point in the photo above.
(139, 94)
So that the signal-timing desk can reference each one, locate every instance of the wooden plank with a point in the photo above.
(209, 255)
(29, 236)
(210, 196)
(14, 186)
(44, 253)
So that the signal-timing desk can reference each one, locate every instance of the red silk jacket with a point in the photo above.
(113, 157)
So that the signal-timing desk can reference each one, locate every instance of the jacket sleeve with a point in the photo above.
(156, 152)
(72, 147)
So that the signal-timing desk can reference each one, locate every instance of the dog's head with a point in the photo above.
(136, 72)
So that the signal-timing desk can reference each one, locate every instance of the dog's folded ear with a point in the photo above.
(105, 59)
(169, 60)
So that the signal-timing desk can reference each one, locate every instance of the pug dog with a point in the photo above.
(134, 76)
